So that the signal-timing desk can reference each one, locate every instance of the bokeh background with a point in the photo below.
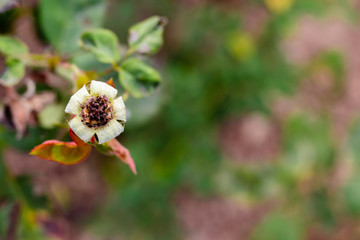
(253, 134)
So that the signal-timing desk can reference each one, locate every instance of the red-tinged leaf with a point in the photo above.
(123, 153)
(111, 82)
(76, 139)
(67, 153)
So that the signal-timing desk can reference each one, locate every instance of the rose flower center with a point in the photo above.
(96, 112)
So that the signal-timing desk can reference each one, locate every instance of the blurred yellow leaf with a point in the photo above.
(279, 6)
(240, 45)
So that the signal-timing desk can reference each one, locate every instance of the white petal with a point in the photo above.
(81, 130)
(78, 98)
(109, 131)
(101, 88)
(119, 109)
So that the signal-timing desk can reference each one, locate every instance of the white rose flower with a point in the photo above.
(96, 112)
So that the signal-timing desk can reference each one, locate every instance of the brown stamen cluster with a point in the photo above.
(96, 112)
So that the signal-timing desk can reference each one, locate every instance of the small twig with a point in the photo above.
(128, 54)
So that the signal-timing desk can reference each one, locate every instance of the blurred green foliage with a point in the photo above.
(213, 69)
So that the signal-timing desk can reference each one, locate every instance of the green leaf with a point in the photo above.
(51, 115)
(354, 142)
(14, 72)
(12, 46)
(278, 227)
(141, 71)
(128, 81)
(103, 44)
(138, 78)
(147, 36)
(352, 196)
(320, 207)
(63, 21)
(66, 153)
